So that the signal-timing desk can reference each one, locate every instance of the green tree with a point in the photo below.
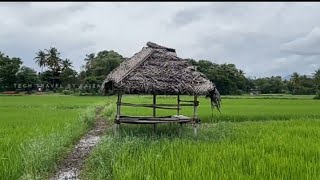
(227, 77)
(54, 63)
(97, 68)
(53, 59)
(295, 80)
(316, 76)
(66, 64)
(89, 59)
(41, 59)
(68, 76)
(27, 75)
(9, 68)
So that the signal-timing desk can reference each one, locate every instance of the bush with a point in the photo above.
(67, 92)
(85, 94)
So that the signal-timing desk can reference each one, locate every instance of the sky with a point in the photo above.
(261, 38)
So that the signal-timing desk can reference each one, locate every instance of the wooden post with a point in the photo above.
(118, 108)
(154, 110)
(154, 105)
(195, 115)
(178, 111)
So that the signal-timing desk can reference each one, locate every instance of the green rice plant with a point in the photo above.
(37, 132)
(317, 95)
(267, 138)
(250, 150)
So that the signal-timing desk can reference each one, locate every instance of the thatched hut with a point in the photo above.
(157, 70)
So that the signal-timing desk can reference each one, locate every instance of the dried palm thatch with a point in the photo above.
(157, 70)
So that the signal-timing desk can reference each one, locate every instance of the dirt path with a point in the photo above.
(71, 166)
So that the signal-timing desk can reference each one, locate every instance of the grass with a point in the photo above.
(269, 137)
(36, 131)
(250, 150)
(248, 140)
(269, 96)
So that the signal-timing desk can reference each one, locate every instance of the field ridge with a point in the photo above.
(71, 166)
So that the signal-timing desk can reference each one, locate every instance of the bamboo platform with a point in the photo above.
(181, 119)
(154, 120)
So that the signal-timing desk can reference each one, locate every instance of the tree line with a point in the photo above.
(58, 74)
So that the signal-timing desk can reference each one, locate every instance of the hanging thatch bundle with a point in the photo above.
(157, 70)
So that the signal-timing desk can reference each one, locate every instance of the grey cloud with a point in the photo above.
(307, 45)
(186, 16)
(295, 63)
(15, 4)
(85, 26)
(261, 38)
(40, 16)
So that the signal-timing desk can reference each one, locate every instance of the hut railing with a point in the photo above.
(157, 106)
(164, 119)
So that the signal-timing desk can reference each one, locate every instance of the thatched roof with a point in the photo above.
(157, 70)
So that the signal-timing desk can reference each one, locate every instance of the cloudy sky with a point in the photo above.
(262, 39)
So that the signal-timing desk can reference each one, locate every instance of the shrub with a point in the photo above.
(67, 92)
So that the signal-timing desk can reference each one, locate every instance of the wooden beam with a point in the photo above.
(151, 105)
(151, 121)
(147, 106)
(188, 101)
(121, 116)
(154, 118)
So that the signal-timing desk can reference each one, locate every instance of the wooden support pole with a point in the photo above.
(178, 110)
(118, 107)
(117, 125)
(154, 105)
(195, 115)
(195, 108)
(154, 110)
(195, 129)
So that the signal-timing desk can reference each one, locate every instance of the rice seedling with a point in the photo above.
(247, 140)
(36, 131)
(250, 150)
(271, 137)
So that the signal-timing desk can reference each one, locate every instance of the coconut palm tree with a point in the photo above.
(295, 79)
(89, 58)
(316, 76)
(54, 62)
(66, 64)
(41, 59)
(53, 59)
